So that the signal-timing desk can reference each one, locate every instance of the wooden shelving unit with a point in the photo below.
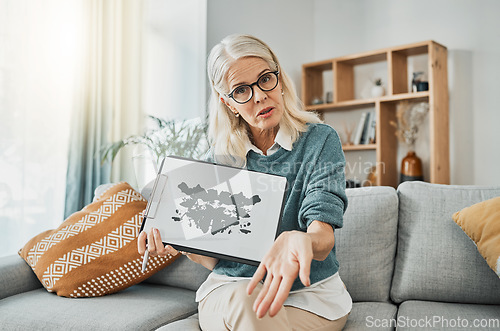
(397, 89)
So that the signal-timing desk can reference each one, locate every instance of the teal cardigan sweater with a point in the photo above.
(314, 170)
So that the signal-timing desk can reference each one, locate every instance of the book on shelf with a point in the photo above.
(359, 129)
(366, 127)
(372, 129)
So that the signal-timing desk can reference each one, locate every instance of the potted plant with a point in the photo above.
(377, 88)
(186, 138)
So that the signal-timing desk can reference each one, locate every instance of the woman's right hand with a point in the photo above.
(155, 247)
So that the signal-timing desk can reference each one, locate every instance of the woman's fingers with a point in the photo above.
(170, 250)
(151, 242)
(305, 268)
(263, 292)
(268, 297)
(281, 295)
(160, 248)
(257, 277)
(141, 242)
(289, 257)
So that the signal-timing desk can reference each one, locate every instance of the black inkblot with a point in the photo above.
(209, 210)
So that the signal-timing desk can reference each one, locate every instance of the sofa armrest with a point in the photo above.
(16, 276)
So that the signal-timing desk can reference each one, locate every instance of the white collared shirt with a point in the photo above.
(328, 298)
(283, 139)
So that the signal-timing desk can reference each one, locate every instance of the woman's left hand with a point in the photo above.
(290, 255)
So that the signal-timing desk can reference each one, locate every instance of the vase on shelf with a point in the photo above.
(377, 88)
(411, 168)
(377, 91)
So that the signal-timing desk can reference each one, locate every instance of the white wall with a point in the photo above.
(285, 25)
(471, 32)
(174, 58)
(306, 31)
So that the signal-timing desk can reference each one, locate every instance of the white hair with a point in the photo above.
(229, 134)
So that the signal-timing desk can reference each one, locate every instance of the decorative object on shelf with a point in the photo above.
(417, 84)
(377, 89)
(348, 131)
(422, 86)
(411, 168)
(317, 101)
(329, 97)
(410, 116)
(371, 178)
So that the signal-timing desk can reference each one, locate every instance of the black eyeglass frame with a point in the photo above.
(276, 73)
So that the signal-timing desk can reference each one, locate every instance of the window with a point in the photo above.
(38, 51)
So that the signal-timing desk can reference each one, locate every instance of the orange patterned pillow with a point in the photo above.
(94, 251)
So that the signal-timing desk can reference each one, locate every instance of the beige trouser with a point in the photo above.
(230, 308)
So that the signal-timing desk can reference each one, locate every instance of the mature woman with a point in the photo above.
(256, 122)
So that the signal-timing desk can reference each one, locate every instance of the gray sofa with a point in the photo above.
(405, 262)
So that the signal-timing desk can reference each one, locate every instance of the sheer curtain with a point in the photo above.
(174, 79)
(108, 103)
(38, 58)
(84, 59)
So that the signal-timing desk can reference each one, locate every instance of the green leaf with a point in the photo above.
(165, 137)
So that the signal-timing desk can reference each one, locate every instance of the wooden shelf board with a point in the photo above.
(342, 105)
(375, 56)
(418, 50)
(368, 102)
(415, 96)
(368, 57)
(322, 107)
(359, 147)
(320, 65)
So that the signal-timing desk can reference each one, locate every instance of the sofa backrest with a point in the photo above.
(366, 244)
(435, 260)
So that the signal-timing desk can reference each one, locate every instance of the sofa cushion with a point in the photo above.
(435, 260)
(140, 307)
(366, 244)
(371, 316)
(413, 315)
(188, 324)
(94, 251)
(363, 316)
(481, 222)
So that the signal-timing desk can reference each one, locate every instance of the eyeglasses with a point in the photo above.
(243, 93)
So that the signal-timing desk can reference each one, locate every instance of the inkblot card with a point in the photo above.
(216, 210)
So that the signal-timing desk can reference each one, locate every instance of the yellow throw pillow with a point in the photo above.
(94, 251)
(481, 222)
